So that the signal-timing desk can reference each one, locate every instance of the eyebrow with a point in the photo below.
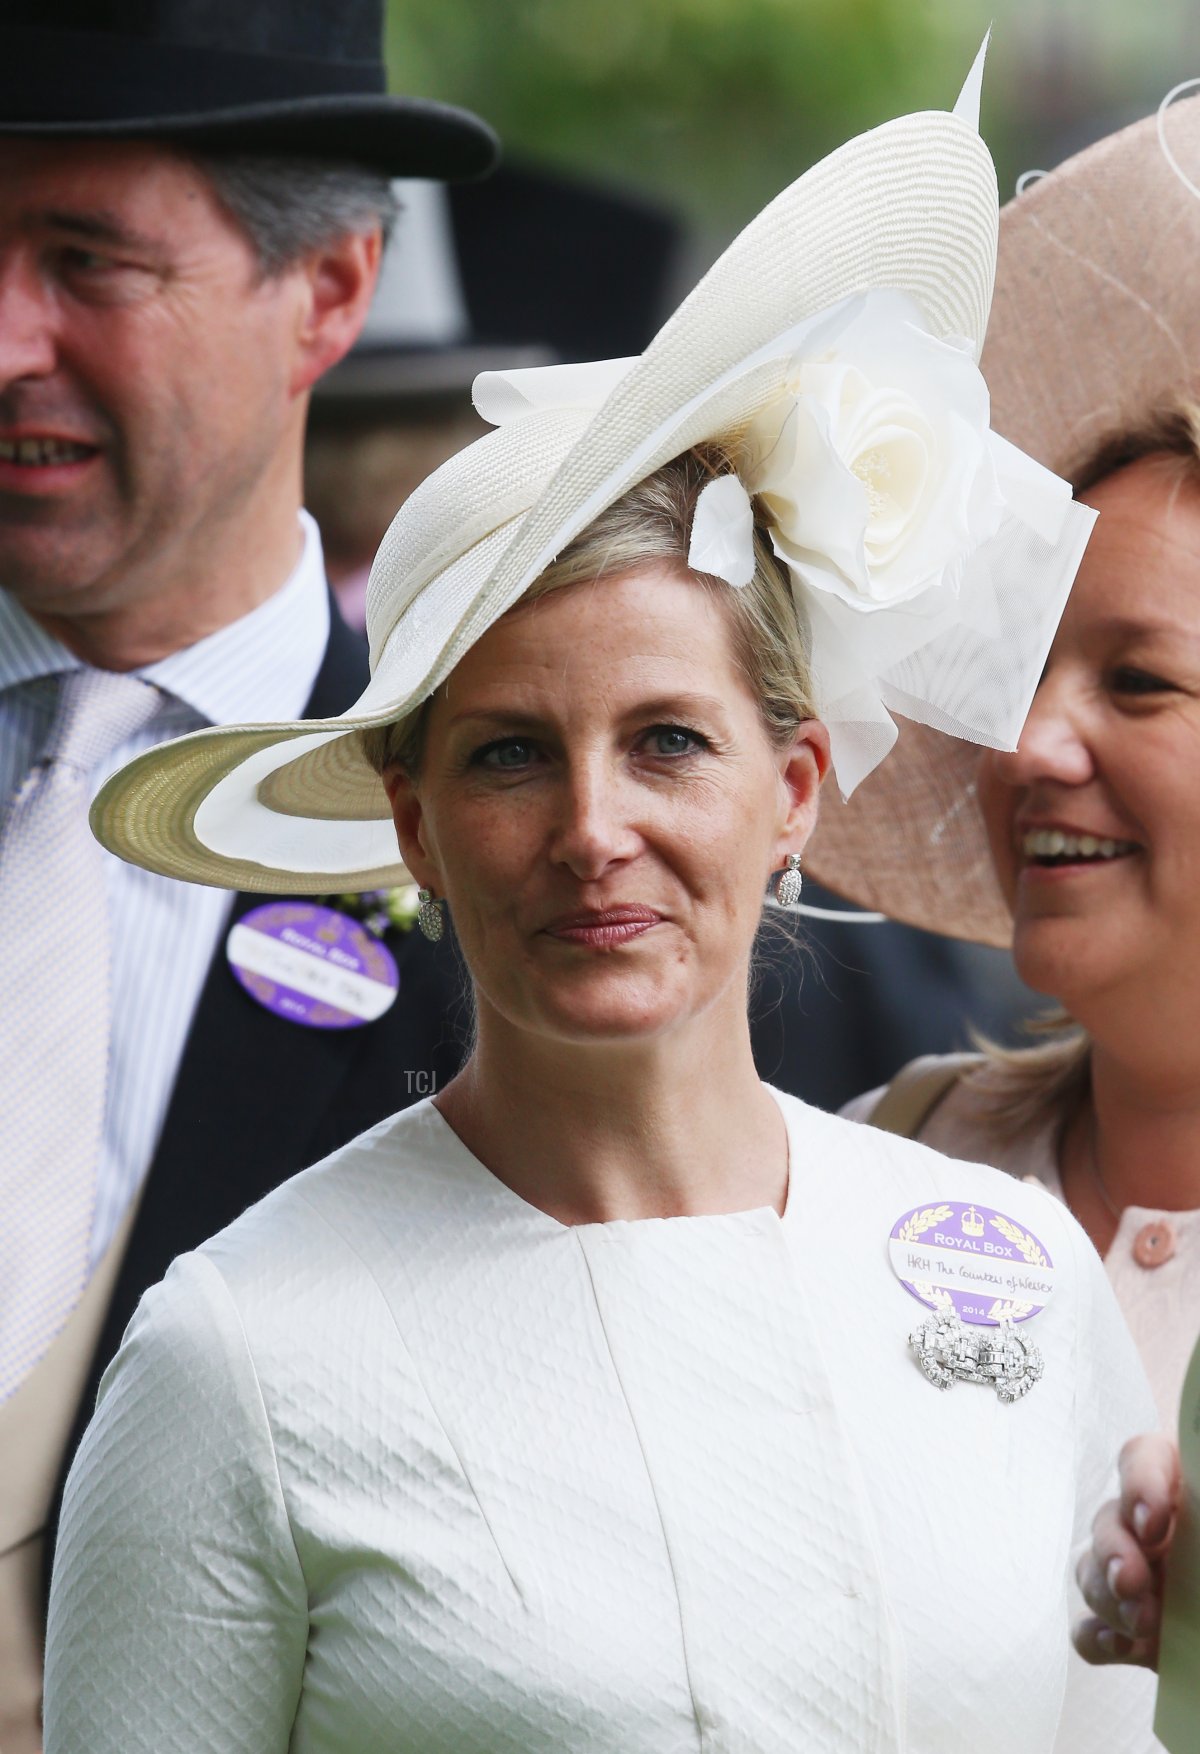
(1127, 627)
(100, 228)
(665, 706)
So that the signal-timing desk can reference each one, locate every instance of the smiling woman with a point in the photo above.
(1093, 822)
(545, 1417)
(1093, 828)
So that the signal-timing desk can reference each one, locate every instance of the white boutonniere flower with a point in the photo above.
(379, 909)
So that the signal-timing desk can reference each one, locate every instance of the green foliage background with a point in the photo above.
(717, 104)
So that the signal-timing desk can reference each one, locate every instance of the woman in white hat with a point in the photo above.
(609, 1400)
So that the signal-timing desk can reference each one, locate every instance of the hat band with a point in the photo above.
(68, 78)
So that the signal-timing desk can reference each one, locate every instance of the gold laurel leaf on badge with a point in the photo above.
(1021, 1239)
(920, 1222)
(935, 1294)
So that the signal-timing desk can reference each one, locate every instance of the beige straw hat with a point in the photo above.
(834, 347)
(1095, 327)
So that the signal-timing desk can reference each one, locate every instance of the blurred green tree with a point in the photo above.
(715, 104)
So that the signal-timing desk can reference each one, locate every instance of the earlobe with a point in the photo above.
(340, 283)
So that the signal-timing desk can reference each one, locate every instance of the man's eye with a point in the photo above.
(86, 261)
(507, 753)
(674, 740)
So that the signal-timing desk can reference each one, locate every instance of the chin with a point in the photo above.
(609, 1023)
(606, 1010)
(1057, 957)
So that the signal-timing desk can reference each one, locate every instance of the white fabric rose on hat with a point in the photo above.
(896, 509)
(875, 465)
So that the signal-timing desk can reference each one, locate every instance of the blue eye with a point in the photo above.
(508, 753)
(674, 741)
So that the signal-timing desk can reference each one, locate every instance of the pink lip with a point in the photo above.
(1030, 873)
(603, 928)
(1030, 824)
(12, 435)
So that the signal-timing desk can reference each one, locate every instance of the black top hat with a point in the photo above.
(280, 76)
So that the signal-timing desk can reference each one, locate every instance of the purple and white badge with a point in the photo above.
(312, 965)
(973, 1260)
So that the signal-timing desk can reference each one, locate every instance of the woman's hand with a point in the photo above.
(1122, 1576)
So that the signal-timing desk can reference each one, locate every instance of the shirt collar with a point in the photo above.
(260, 668)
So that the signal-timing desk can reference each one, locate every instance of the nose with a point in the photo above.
(1054, 746)
(27, 343)
(593, 830)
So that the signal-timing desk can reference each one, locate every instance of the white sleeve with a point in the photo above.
(178, 1610)
(1105, 1710)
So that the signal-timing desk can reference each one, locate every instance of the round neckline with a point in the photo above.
(509, 1196)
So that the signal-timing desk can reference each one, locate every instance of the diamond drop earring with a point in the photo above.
(429, 915)
(787, 889)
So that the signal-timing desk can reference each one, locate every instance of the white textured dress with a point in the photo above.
(399, 1463)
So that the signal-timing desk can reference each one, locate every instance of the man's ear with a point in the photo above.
(338, 285)
(409, 819)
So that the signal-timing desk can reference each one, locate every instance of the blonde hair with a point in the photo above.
(1031, 1087)
(1028, 1088)
(652, 524)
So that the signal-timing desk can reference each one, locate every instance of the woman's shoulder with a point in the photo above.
(901, 1172)
(306, 1272)
(946, 1102)
(317, 1241)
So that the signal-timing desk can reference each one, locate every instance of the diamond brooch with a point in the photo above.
(949, 1352)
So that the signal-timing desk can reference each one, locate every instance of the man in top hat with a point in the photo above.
(193, 199)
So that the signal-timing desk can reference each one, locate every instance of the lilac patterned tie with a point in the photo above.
(54, 1016)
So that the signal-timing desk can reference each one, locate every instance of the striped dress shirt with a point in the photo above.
(163, 933)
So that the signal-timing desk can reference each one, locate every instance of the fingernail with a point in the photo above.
(1106, 1638)
(1130, 1613)
(1141, 1518)
(1113, 1574)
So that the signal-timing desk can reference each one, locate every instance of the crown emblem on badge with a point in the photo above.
(972, 1223)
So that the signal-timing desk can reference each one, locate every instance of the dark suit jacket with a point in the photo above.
(258, 1098)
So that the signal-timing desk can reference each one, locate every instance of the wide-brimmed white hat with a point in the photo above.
(833, 349)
